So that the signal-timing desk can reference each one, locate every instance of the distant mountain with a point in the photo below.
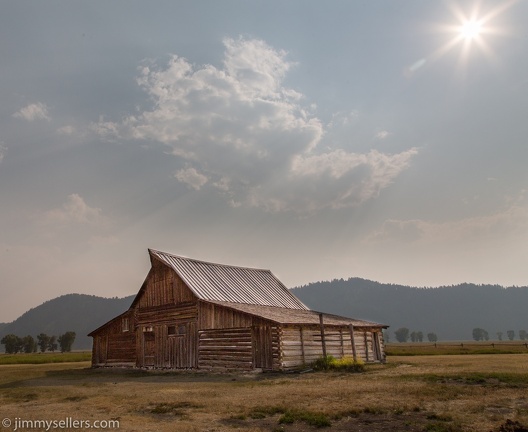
(452, 312)
(72, 312)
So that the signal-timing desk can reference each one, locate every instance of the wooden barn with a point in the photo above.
(195, 314)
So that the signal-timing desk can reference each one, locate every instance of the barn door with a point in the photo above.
(149, 349)
(262, 347)
(100, 348)
(376, 346)
(181, 350)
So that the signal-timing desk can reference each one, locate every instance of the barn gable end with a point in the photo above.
(194, 314)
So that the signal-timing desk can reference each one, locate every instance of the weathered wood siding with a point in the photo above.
(159, 348)
(163, 287)
(212, 316)
(167, 336)
(302, 345)
(115, 344)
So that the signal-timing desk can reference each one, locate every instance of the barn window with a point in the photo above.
(171, 330)
(182, 329)
(124, 324)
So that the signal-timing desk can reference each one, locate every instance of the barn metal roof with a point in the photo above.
(224, 283)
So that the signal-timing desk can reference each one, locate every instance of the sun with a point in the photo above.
(471, 29)
(471, 33)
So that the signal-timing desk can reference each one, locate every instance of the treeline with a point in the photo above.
(480, 334)
(403, 334)
(15, 344)
(72, 312)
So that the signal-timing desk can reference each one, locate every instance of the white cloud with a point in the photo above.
(241, 131)
(74, 210)
(191, 177)
(381, 135)
(105, 129)
(34, 111)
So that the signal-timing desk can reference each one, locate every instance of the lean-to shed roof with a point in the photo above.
(305, 317)
(224, 283)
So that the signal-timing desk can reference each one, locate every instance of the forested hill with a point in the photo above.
(72, 312)
(452, 312)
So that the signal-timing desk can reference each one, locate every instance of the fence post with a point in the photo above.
(322, 334)
(353, 342)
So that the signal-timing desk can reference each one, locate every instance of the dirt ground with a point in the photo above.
(419, 393)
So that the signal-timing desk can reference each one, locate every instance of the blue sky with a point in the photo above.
(317, 139)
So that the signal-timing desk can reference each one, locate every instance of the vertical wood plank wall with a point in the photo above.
(113, 345)
(303, 345)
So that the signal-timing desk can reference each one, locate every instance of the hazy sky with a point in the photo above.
(377, 139)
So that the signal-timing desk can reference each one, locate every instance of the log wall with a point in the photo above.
(225, 349)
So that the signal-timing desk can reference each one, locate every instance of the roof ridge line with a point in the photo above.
(207, 262)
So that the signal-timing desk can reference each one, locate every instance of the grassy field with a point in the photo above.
(47, 357)
(443, 393)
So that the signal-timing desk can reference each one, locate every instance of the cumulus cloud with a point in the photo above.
(34, 111)
(191, 177)
(74, 210)
(239, 130)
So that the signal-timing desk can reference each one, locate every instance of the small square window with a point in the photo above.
(171, 330)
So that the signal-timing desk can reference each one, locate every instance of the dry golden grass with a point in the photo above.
(438, 393)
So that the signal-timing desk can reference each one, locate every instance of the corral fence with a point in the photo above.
(455, 347)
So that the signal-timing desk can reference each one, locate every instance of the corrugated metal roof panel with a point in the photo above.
(223, 283)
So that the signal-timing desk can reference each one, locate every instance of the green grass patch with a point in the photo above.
(266, 411)
(291, 415)
(441, 427)
(172, 408)
(310, 418)
(42, 358)
(514, 380)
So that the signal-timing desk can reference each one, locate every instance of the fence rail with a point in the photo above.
(455, 348)
(460, 345)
